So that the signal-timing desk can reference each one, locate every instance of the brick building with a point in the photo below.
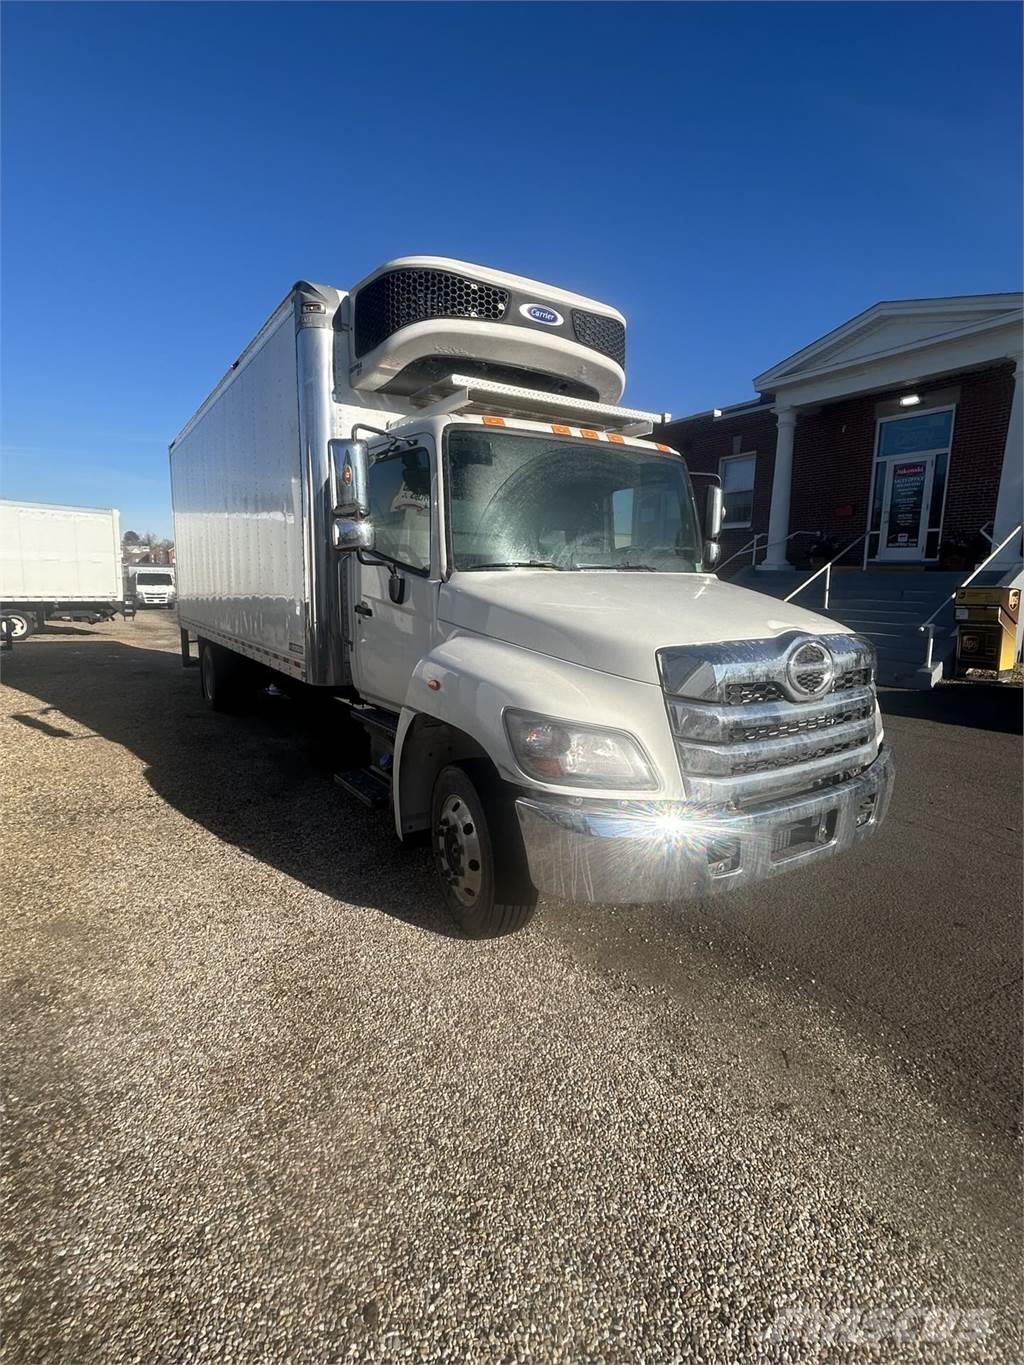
(899, 434)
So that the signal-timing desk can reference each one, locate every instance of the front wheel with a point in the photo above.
(479, 854)
(22, 624)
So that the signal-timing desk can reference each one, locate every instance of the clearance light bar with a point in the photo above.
(511, 401)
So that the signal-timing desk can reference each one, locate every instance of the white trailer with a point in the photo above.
(420, 497)
(58, 561)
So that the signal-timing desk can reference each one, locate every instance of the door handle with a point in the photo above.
(361, 609)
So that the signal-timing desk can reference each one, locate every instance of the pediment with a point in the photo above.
(892, 327)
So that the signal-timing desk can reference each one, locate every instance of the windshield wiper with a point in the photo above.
(516, 564)
(620, 568)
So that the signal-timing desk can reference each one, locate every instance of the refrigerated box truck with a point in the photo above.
(421, 498)
(58, 561)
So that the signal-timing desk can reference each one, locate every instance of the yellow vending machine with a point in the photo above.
(986, 629)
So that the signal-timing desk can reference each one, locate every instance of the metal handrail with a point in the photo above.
(742, 551)
(825, 569)
(768, 545)
(971, 576)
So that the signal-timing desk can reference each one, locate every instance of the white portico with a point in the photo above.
(891, 351)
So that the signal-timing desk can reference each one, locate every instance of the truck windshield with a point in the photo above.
(151, 580)
(516, 499)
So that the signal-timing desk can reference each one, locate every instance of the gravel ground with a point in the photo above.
(264, 1105)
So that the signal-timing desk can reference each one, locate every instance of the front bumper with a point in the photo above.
(632, 853)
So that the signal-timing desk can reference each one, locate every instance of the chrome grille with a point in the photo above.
(798, 725)
(742, 694)
(745, 728)
(767, 764)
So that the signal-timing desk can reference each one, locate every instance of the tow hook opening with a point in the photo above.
(723, 856)
(866, 810)
(815, 831)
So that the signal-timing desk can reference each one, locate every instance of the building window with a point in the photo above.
(737, 473)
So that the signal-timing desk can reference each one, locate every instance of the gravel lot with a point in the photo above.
(265, 1106)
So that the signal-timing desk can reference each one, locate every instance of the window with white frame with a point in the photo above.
(737, 474)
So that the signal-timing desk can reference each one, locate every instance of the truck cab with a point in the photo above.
(510, 592)
(152, 586)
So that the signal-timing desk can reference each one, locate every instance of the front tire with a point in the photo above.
(22, 624)
(478, 853)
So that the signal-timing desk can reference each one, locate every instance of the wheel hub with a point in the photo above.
(458, 850)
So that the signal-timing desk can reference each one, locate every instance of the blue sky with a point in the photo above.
(736, 178)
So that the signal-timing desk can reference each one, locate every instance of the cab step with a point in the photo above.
(368, 785)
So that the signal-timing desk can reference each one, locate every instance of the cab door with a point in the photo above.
(396, 584)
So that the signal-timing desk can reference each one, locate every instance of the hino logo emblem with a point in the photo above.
(540, 312)
(810, 670)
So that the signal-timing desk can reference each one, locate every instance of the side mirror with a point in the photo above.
(713, 510)
(349, 471)
(349, 534)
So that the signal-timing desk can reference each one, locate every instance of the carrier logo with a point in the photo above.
(540, 312)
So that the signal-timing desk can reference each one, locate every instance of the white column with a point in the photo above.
(782, 483)
(1010, 502)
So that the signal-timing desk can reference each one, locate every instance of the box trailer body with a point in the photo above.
(58, 560)
(421, 497)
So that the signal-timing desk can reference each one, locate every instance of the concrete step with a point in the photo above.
(910, 675)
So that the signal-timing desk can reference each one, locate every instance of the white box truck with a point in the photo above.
(150, 585)
(420, 496)
(58, 561)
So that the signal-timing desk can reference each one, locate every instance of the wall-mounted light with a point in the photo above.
(716, 412)
(910, 400)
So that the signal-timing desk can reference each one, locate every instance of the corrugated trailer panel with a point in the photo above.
(236, 481)
(53, 553)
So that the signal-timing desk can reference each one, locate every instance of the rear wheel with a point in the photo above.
(221, 677)
(479, 854)
(22, 624)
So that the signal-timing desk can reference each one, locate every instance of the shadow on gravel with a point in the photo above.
(260, 780)
(976, 705)
(66, 628)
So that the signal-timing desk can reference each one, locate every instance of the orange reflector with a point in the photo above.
(614, 436)
(494, 421)
(590, 435)
(560, 430)
(666, 449)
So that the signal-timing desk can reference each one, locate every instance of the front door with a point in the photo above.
(906, 499)
(390, 635)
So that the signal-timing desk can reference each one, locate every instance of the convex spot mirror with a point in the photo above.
(349, 534)
(349, 471)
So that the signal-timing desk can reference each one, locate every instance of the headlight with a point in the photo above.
(576, 755)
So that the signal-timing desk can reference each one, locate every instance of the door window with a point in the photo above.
(907, 490)
(399, 486)
(909, 485)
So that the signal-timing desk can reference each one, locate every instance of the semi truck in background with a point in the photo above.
(58, 561)
(420, 498)
(150, 585)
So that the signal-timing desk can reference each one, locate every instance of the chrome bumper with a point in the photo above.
(631, 853)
